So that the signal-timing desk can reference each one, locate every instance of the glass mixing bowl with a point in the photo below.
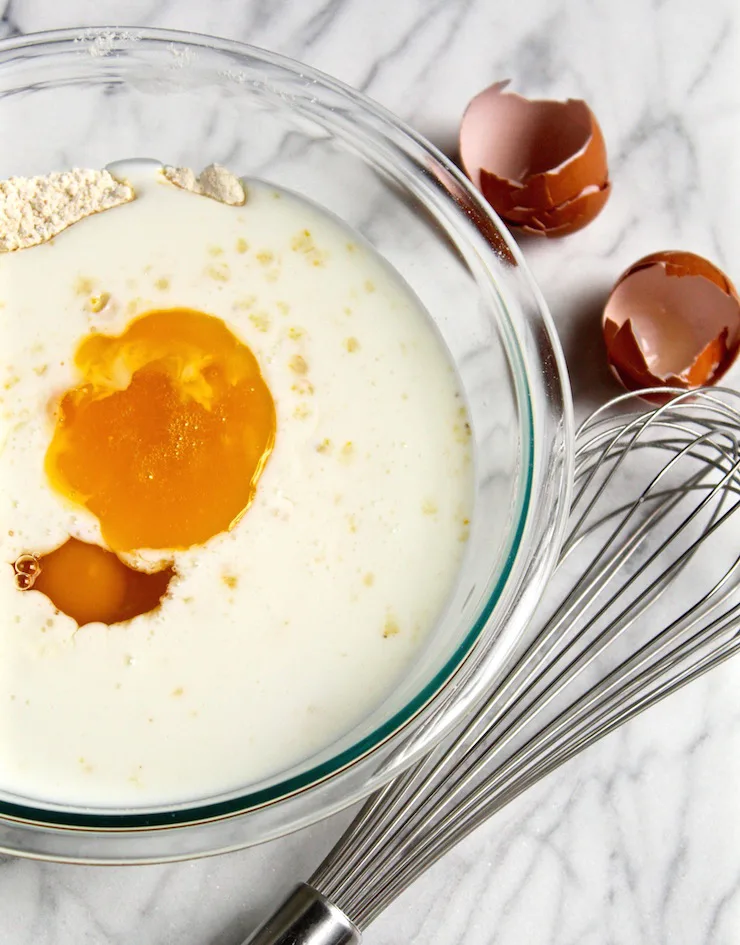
(87, 98)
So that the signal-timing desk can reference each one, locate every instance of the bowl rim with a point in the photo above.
(198, 813)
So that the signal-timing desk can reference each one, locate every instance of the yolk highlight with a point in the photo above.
(90, 584)
(168, 432)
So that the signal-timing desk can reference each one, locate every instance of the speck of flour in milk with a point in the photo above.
(215, 181)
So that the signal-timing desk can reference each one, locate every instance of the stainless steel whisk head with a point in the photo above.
(657, 496)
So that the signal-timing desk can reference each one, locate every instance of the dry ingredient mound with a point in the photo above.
(35, 209)
(215, 181)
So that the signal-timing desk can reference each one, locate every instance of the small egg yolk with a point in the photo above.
(90, 584)
(167, 434)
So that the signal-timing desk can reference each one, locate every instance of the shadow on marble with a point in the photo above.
(591, 380)
(236, 931)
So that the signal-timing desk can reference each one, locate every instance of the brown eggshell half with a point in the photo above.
(567, 218)
(540, 164)
(673, 320)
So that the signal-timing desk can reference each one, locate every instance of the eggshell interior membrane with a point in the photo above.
(672, 319)
(541, 164)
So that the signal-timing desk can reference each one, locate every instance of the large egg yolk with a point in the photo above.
(166, 435)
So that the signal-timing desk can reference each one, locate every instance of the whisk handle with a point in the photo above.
(307, 918)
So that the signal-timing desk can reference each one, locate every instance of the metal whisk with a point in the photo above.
(657, 495)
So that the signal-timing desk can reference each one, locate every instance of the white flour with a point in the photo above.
(35, 209)
(215, 181)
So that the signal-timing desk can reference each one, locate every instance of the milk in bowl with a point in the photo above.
(235, 488)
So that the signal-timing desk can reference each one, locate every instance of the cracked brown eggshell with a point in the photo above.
(541, 164)
(672, 320)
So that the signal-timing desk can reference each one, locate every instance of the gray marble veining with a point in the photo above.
(638, 841)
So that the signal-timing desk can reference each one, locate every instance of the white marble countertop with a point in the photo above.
(637, 842)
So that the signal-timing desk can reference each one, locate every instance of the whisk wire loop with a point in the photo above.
(654, 490)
